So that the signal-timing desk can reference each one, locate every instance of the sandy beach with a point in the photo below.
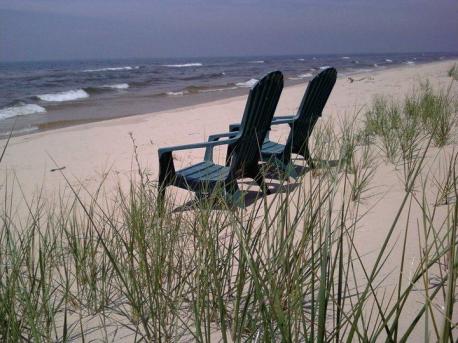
(88, 153)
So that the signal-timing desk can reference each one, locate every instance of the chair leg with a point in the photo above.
(259, 179)
(288, 169)
(308, 157)
(233, 195)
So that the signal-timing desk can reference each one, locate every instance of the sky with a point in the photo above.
(99, 29)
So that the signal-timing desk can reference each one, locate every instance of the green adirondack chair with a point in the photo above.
(204, 177)
(301, 124)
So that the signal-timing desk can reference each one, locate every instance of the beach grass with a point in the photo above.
(453, 72)
(287, 268)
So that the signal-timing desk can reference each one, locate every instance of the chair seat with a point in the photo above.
(270, 148)
(204, 172)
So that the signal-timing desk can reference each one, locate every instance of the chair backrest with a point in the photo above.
(259, 111)
(312, 104)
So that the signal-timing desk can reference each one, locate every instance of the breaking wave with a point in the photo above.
(111, 69)
(183, 65)
(116, 86)
(64, 96)
(248, 84)
(20, 110)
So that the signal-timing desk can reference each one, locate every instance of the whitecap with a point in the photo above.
(324, 67)
(410, 62)
(111, 69)
(20, 110)
(260, 61)
(176, 93)
(216, 89)
(248, 84)
(345, 58)
(301, 76)
(183, 65)
(64, 96)
(117, 86)
(301, 59)
(388, 60)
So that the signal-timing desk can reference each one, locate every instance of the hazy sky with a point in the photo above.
(75, 29)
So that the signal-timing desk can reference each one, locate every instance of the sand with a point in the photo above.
(89, 151)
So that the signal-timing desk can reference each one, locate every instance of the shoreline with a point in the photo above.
(88, 150)
(94, 110)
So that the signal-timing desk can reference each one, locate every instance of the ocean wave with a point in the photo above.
(301, 76)
(305, 75)
(116, 86)
(248, 84)
(183, 65)
(410, 62)
(301, 59)
(203, 76)
(111, 69)
(259, 62)
(208, 90)
(20, 110)
(64, 96)
(388, 60)
(176, 93)
(323, 67)
(345, 58)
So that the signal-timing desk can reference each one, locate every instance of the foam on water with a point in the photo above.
(410, 62)
(388, 60)
(64, 96)
(301, 76)
(184, 65)
(20, 110)
(176, 93)
(117, 86)
(345, 58)
(111, 69)
(216, 89)
(323, 67)
(260, 61)
(248, 84)
(301, 59)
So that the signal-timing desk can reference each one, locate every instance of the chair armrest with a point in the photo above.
(214, 138)
(166, 165)
(283, 117)
(283, 120)
(194, 146)
(234, 127)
